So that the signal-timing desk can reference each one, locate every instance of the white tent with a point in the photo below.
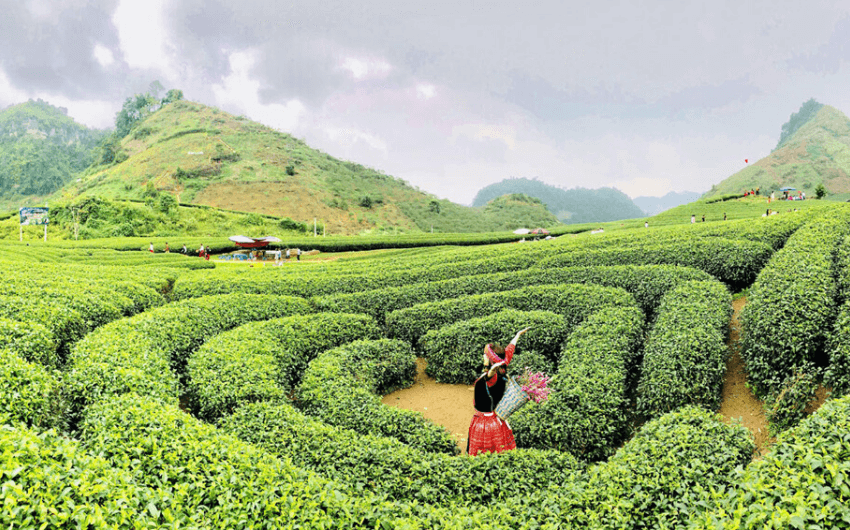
(522, 231)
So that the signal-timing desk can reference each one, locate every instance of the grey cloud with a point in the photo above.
(828, 57)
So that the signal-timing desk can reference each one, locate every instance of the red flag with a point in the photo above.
(746, 160)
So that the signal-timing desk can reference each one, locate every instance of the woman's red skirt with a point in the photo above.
(489, 434)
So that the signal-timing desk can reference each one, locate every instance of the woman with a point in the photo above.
(487, 432)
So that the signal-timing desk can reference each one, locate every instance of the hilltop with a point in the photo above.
(814, 149)
(578, 205)
(203, 156)
(41, 149)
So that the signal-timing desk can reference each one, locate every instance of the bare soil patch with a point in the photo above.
(446, 405)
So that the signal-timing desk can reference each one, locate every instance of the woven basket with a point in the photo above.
(512, 401)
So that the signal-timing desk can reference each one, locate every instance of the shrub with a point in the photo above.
(265, 360)
(388, 467)
(837, 375)
(661, 478)
(685, 355)
(28, 392)
(573, 301)
(343, 386)
(586, 414)
(32, 341)
(790, 307)
(786, 406)
(454, 352)
(800, 483)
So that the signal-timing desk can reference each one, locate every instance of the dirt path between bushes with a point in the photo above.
(451, 405)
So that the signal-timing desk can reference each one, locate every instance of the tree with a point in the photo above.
(820, 191)
(798, 119)
(171, 96)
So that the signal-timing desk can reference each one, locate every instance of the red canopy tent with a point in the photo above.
(253, 242)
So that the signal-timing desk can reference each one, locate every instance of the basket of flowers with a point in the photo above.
(530, 386)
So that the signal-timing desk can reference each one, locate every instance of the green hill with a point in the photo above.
(578, 205)
(814, 149)
(203, 156)
(520, 211)
(41, 149)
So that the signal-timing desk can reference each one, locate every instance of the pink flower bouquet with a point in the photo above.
(535, 385)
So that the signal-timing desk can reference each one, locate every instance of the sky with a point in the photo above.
(452, 95)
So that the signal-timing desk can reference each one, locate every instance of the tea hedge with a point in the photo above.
(138, 354)
(734, 262)
(587, 414)
(802, 482)
(837, 375)
(573, 301)
(28, 392)
(454, 352)
(266, 360)
(662, 478)
(343, 387)
(685, 352)
(386, 466)
(64, 324)
(791, 306)
(50, 481)
(31, 340)
(647, 283)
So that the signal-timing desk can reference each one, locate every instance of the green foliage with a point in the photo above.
(50, 481)
(31, 340)
(262, 360)
(28, 392)
(685, 355)
(661, 479)
(807, 111)
(573, 301)
(820, 191)
(454, 352)
(800, 483)
(786, 406)
(837, 375)
(342, 387)
(386, 466)
(586, 414)
(791, 306)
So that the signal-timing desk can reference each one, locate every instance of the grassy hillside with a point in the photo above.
(41, 149)
(201, 155)
(573, 206)
(818, 152)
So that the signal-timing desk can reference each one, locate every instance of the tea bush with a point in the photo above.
(791, 306)
(343, 386)
(837, 375)
(28, 392)
(31, 340)
(800, 483)
(266, 360)
(685, 355)
(454, 352)
(573, 301)
(586, 414)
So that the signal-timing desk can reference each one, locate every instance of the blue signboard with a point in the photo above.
(34, 216)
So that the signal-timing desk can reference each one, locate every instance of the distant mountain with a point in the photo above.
(656, 205)
(41, 149)
(204, 156)
(520, 211)
(813, 149)
(577, 205)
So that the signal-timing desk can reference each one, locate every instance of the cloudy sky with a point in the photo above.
(452, 95)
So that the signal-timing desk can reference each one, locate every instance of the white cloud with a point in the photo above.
(361, 69)
(103, 55)
(504, 133)
(142, 35)
(425, 91)
(9, 95)
(644, 186)
(239, 91)
(349, 137)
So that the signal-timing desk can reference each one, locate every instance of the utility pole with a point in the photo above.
(314, 227)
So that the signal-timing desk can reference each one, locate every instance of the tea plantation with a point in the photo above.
(144, 390)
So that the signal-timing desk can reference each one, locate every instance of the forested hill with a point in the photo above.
(813, 150)
(41, 149)
(656, 205)
(577, 205)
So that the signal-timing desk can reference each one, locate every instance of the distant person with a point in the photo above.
(703, 218)
(201, 251)
(298, 254)
(150, 248)
(207, 253)
(646, 224)
(167, 249)
(287, 254)
(185, 250)
(724, 216)
(693, 218)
